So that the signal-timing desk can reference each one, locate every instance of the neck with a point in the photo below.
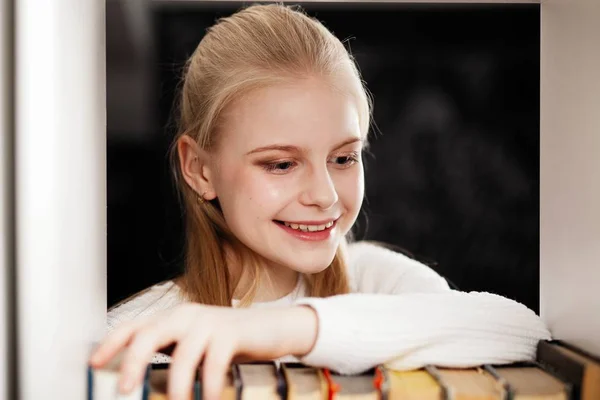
(275, 281)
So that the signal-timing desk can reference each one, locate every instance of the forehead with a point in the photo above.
(306, 113)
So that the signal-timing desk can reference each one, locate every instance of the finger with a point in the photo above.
(142, 347)
(217, 360)
(157, 333)
(184, 363)
(114, 342)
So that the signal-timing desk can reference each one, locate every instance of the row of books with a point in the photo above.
(560, 372)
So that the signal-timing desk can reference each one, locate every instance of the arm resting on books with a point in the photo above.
(404, 314)
(406, 331)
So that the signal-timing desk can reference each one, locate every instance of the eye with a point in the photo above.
(279, 167)
(346, 160)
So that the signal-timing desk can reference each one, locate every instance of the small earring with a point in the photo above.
(201, 199)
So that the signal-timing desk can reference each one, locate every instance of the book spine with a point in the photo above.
(282, 382)
(237, 381)
(324, 386)
(508, 392)
(382, 382)
(198, 385)
(435, 374)
(332, 386)
(576, 349)
(561, 366)
(90, 383)
(146, 384)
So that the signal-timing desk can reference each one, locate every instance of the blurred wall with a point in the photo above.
(570, 168)
(454, 175)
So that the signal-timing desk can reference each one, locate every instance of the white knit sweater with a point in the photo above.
(400, 313)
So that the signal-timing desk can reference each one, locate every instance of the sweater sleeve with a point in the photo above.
(154, 299)
(405, 316)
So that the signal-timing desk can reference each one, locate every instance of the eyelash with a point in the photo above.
(351, 159)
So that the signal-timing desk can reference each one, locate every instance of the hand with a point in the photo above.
(213, 334)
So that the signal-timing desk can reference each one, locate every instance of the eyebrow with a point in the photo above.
(289, 148)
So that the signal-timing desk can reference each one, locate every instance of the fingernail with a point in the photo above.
(94, 360)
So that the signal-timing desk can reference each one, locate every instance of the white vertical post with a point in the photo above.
(6, 202)
(570, 170)
(61, 193)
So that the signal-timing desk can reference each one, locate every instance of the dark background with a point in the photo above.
(453, 178)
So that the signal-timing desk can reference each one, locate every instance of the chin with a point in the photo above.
(310, 269)
(308, 265)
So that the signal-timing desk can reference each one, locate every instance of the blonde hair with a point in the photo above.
(258, 46)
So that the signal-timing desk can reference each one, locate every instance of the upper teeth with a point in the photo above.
(309, 228)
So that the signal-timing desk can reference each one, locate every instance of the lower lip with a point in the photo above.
(308, 236)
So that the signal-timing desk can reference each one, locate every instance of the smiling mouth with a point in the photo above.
(306, 228)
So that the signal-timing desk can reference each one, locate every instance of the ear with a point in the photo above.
(195, 167)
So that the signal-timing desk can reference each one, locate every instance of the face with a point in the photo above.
(288, 173)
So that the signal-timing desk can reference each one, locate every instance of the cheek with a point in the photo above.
(250, 194)
(351, 187)
(264, 192)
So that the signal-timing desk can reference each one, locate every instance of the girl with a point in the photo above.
(274, 118)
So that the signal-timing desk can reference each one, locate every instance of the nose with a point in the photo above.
(319, 189)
